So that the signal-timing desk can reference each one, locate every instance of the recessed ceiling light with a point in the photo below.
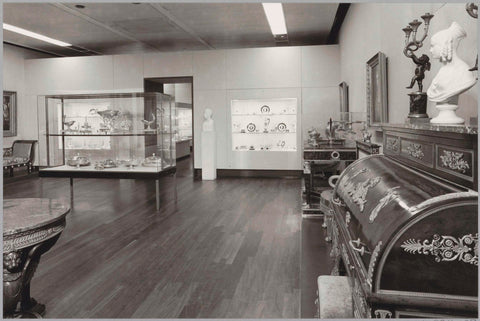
(275, 17)
(35, 35)
(80, 6)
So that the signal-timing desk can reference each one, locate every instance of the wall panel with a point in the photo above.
(263, 68)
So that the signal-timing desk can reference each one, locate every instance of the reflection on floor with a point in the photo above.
(230, 248)
(315, 261)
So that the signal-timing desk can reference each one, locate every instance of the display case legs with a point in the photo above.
(157, 193)
(71, 192)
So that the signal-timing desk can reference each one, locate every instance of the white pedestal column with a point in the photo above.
(209, 155)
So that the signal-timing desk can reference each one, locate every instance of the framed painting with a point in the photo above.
(9, 113)
(377, 98)
(343, 90)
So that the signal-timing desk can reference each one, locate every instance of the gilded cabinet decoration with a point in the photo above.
(446, 248)
(346, 260)
(348, 218)
(454, 161)
(373, 261)
(415, 150)
(358, 192)
(390, 196)
(349, 178)
(361, 309)
(392, 143)
(383, 314)
(361, 171)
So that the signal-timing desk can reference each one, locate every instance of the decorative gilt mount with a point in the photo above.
(392, 144)
(415, 150)
(358, 192)
(446, 248)
(383, 314)
(390, 196)
(454, 161)
(371, 265)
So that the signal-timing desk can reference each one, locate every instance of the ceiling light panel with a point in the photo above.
(275, 17)
(35, 35)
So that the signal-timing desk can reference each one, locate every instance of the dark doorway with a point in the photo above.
(181, 88)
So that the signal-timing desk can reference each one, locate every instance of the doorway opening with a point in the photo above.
(181, 89)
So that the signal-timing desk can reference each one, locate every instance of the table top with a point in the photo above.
(345, 145)
(25, 214)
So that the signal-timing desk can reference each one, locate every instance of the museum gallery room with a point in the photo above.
(240, 160)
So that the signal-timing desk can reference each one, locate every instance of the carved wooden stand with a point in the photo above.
(18, 269)
(31, 227)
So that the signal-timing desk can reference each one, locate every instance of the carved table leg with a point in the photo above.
(18, 269)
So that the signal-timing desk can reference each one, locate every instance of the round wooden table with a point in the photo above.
(31, 226)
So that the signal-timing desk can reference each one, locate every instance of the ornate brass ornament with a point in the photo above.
(454, 161)
(348, 218)
(415, 150)
(373, 261)
(363, 309)
(383, 314)
(446, 248)
(390, 196)
(358, 192)
(345, 257)
(355, 174)
(392, 144)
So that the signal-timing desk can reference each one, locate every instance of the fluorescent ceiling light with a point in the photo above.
(275, 17)
(35, 35)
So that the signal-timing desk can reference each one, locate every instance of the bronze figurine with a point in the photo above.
(423, 63)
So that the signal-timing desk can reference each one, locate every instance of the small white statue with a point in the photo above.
(453, 78)
(208, 123)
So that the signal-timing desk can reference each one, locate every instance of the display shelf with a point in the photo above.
(268, 125)
(263, 133)
(265, 115)
(120, 127)
(126, 135)
(106, 134)
(117, 169)
(266, 150)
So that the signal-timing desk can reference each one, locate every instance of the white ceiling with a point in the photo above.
(121, 28)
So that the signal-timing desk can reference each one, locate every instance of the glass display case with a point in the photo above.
(183, 123)
(110, 133)
(264, 124)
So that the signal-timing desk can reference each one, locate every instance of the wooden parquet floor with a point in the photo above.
(229, 248)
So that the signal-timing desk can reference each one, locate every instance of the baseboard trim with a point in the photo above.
(263, 173)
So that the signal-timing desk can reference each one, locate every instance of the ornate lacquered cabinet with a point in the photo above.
(405, 226)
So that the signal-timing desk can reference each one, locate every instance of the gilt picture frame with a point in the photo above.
(377, 95)
(343, 91)
(9, 113)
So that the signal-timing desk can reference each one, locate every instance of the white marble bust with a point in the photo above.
(453, 78)
(208, 123)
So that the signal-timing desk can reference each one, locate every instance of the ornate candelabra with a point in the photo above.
(418, 99)
(472, 10)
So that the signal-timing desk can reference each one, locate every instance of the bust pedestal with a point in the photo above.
(447, 114)
(209, 156)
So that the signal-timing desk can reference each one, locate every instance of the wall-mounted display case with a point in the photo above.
(110, 133)
(264, 125)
